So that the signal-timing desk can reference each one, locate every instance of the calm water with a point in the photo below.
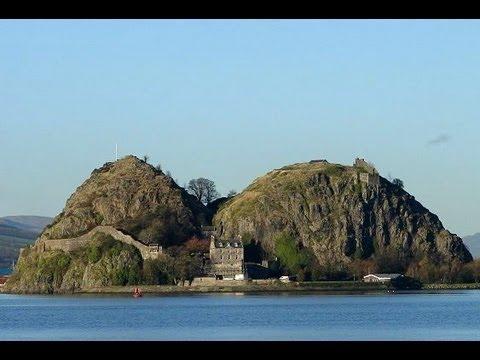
(5, 271)
(420, 316)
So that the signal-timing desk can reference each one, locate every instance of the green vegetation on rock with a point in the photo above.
(103, 262)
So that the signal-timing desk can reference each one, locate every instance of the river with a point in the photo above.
(452, 315)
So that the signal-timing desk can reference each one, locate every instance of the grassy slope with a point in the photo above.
(261, 194)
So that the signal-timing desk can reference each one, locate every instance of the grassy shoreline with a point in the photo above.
(466, 286)
(231, 286)
(225, 288)
(320, 286)
(291, 287)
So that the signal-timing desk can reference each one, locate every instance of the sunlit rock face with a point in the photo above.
(340, 212)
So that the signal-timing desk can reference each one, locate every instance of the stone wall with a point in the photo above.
(265, 281)
(72, 244)
(204, 281)
(208, 231)
(370, 177)
(211, 281)
(361, 163)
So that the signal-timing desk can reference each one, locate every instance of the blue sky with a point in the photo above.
(231, 100)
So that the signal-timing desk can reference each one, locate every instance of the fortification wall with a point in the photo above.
(72, 244)
(265, 281)
(66, 245)
(211, 281)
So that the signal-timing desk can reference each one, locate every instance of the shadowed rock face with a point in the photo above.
(132, 196)
(339, 217)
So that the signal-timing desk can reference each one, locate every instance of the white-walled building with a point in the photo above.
(380, 277)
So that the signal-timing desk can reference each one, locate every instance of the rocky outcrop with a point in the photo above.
(340, 212)
(130, 205)
(133, 197)
(102, 261)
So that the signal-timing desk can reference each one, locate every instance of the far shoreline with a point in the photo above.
(324, 287)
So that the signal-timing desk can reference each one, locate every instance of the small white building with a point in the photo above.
(383, 278)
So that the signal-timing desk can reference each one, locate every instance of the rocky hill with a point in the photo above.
(316, 213)
(339, 212)
(134, 197)
(130, 197)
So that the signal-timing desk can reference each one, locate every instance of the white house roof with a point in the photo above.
(384, 276)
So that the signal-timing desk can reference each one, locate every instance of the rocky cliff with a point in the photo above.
(339, 213)
(134, 197)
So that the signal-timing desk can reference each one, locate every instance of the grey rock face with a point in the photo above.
(339, 217)
(133, 196)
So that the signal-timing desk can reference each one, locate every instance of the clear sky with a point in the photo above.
(231, 100)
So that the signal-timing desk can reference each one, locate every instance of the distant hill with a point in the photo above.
(27, 222)
(473, 244)
(17, 232)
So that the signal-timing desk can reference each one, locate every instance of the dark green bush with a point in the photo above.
(406, 283)
(156, 272)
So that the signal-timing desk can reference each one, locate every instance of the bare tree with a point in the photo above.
(159, 167)
(146, 158)
(231, 193)
(203, 189)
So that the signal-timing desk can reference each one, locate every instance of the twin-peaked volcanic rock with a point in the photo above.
(338, 213)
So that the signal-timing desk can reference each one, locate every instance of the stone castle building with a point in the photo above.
(208, 231)
(227, 258)
(367, 174)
